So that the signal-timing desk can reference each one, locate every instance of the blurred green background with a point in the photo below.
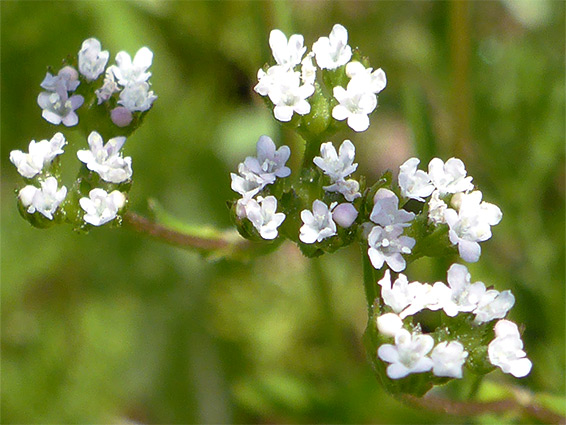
(113, 327)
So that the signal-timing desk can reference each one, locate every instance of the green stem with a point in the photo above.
(475, 387)
(312, 149)
(370, 285)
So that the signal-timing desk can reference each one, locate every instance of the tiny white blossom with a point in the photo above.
(269, 163)
(318, 224)
(449, 177)
(337, 166)
(436, 208)
(493, 305)
(355, 106)
(262, 213)
(92, 60)
(403, 297)
(506, 350)
(389, 324)
(45, 200)
(108, 88)
(59, 108)
(128, 72)
(414, 184)
(366, 79)
(461, 295)
(289, 96)
(66, 80)
(101, 207)
(137, 97)
(471, 224)
(350, 189)
(448, 359)
(333, 51)
(39, 155)
(247, 183)
(408, 355)
(106, 159)
(386, 245)
(344, 214)
(286, 53)
(385, 210)
(308, 69)
(268, 80)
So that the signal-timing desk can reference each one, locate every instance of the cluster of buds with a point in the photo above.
(99, 194)
(323, 207)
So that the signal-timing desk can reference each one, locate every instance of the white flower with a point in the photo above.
(493, 305)
(40, 154)
(448, 359)
(262, 214)
(366, 79)
(269, 163)
(308, 69)
(268, 80)
(506, 350)
(318, 224)
(287, 54)
(333, 51)
(403, 297)
(92, 60)
(336, 166)
(436, 208)
(471, 224)
(461, 295)
(101, 207)
(106, 159)
(449, 177)
(45, 200)
(389, 324)
(59, 107)
(350, 189)
(289, 96)
(67, 79)
(108, 88)
(386, 245)
(355, 106)
(408, 355)
(137, 97)
(344, 214)
(385, 210)
(414, 184)
(247, 183)
(128, 72)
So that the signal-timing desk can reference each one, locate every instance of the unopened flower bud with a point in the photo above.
(121, 116)
(344, 214)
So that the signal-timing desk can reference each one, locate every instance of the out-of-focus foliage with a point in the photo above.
(111, 327)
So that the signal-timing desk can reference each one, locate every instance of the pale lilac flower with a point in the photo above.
(121, 116)
(350, 189)
(247, 183)
(403, 297)
(66, 80)
(137, 97)
(493, 305)
(45, 200)
(414, 184)
(471, 224)
(448, 359)
(436, 208)
(128, 72)
(408, 355)
(108, 88)
(344, 214)
(269, 163)
(289, 96)
(366, 79)
(262, 213)
(389, 324)
(39, 155)
(318, 224)
(106, 159)
(101, 207)
(449, 177)
(92, 60)
(506, 350)
(386, 245)
(385, 210)
(337, 166)
(355, 106)
(59, 107)
(461, 295)
(286, 53)
(333, 51)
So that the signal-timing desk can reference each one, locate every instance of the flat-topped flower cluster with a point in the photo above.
(416, 352)
(294, 79)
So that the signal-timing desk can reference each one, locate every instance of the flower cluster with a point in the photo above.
(408, 354)
(468, 218)
(254, 174)
(292, 82)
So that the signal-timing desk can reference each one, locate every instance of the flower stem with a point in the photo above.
(369, 279)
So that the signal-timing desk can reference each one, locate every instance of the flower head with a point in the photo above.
(289, 96)
(40, 154)
(318, 224)
(101, 207)
(108, 88)
(449, 177)
(385, 210)
(408, 355)
(448, 359)
(106, 159)
(386, 245)
(506, 350)
(59, 108)
(137, 97)
(355, 106)
(493, 305)
(461, 295)
(414, 184)
(333, 51)
(403, 297)
(286, 53)
(66, 80)
(366, 79)
(269, 163)
(45, 200)
(92, 60)
(262, 213)
(130, 72)
(334, 165)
